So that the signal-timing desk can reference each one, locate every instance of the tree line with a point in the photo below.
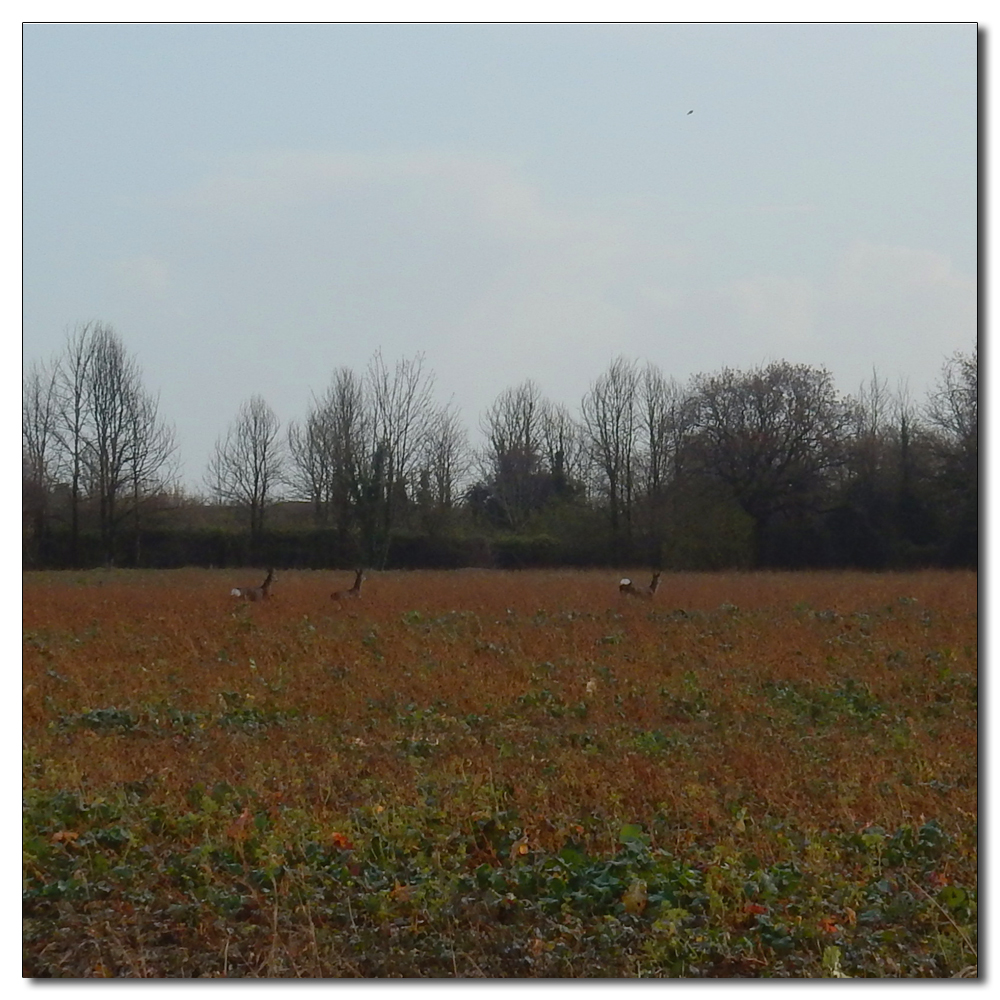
(765, 467)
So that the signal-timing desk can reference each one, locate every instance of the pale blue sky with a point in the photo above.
(253, 206)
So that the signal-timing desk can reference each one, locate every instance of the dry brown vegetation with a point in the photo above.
(734, 709)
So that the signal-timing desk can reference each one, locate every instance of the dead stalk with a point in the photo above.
(947, 915)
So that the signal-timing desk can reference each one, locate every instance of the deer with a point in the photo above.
(354, 593)
(646, 593)
(261, 593)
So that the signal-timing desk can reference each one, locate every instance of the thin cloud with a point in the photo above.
(491, 191)
(903, 309)
(143, 275)
(777, 311)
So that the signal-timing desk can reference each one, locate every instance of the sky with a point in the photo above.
(252, 206)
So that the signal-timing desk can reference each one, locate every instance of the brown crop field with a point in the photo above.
(476, 773)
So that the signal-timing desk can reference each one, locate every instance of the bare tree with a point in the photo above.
(874, 419)
(866, 478)
(511, 463)
(400, 408)
(113, 388)
(310, 474)
(663, 419)
(871, 408)
(73, 375)
(563, 449)
(773, 435)
(39, 414)
(610, 418)
(152, 447)
(247, 464)
(328, 451)
(953, 412)
(954, 404)
(112, 446)
(446, 458)
(881, 499)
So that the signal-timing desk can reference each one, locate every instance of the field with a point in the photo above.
(475, 773)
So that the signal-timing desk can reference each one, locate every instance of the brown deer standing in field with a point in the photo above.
(354, 593)
(261, 593)
(646, 593)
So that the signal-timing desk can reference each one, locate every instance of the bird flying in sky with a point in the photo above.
(691, 112)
